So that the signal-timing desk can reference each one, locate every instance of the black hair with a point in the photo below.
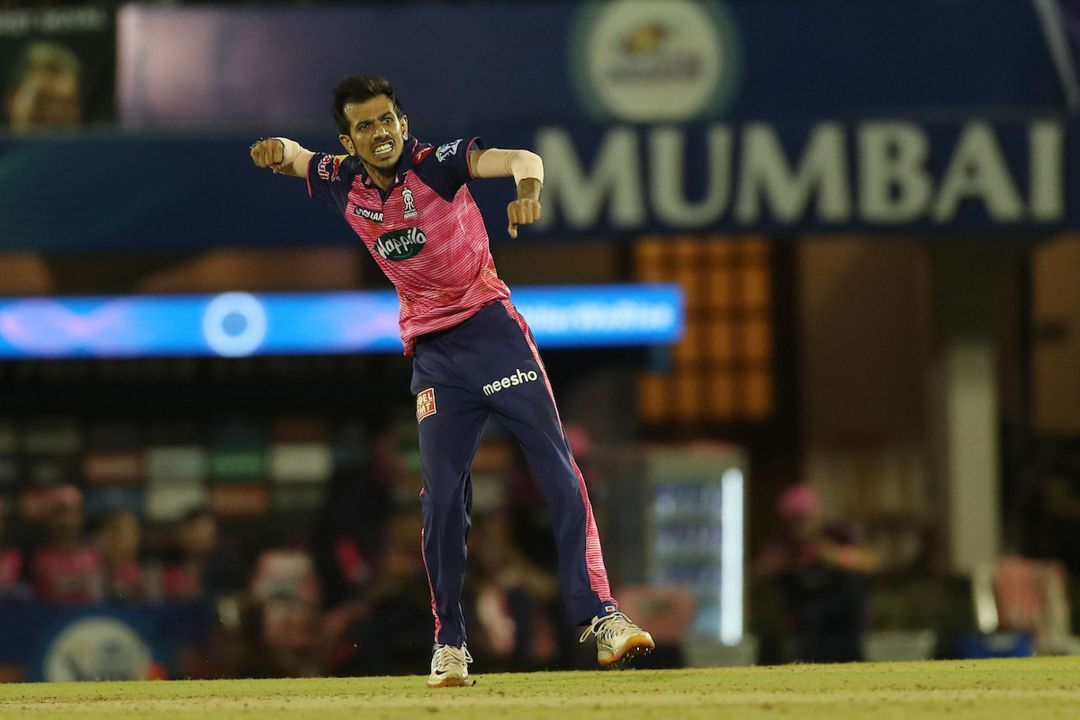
(358, 89)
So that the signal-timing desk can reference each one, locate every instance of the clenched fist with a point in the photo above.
(270, 153)
(522, 211)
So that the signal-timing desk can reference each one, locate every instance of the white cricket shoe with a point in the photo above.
(617, 638)
(449, 666)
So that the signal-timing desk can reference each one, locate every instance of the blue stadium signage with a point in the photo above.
(238, 324)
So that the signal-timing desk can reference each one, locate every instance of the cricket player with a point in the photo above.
(473, 354)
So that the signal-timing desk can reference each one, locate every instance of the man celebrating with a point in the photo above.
(408, 202)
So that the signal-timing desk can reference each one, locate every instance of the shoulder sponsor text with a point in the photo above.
(446, 150)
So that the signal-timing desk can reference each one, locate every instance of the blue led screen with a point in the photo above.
(237, 324)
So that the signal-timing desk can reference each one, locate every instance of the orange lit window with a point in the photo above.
(721, 371)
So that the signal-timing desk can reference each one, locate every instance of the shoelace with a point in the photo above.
(607, 627)
(446, 653)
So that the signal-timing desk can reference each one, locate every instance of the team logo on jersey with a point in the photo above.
(368, 213)
(401, 244)
(425, 404)
(410, 208)
(446, 150)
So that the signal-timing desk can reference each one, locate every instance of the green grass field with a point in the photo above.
(983, 690)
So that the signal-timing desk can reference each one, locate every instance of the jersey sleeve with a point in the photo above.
(329, 178)
(447, 168)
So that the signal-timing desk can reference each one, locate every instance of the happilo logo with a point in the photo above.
(518, 378)
(401, 244)
(643, 61)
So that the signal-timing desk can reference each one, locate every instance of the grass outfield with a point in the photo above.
(1042, 688)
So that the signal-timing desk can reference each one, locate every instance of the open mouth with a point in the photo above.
(383, 149)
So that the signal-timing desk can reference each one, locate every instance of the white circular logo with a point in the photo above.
(97, 648)
(645, 61)
(234, 324)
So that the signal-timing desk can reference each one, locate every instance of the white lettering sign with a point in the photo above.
(885, 173)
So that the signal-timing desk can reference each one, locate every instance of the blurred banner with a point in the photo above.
(541, 62)
(238, 324)
(59, 68)
(977, 177)
(100, 642)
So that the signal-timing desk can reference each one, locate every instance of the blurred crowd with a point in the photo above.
(67, 561)
(341, 592)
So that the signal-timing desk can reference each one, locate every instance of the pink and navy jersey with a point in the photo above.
(68, 576)
(425, 232)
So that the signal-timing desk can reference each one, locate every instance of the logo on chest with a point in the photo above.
(410, 207)
(368, 213)
(401, 244)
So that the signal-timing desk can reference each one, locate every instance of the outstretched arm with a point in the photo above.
(526, 168)
(281, 155)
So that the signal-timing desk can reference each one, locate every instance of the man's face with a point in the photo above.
(121, 536)
(198, 536)
(376, 133)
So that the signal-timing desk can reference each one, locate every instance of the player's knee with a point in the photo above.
(442, 500)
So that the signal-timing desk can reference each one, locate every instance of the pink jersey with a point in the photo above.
(11, 563)
(425, 233)
(68, 576)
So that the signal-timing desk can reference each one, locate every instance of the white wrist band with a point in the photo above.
(291, 149)
(522, 164)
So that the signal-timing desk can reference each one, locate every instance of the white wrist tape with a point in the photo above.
(521, 164)
(525, 164)
(291, 150)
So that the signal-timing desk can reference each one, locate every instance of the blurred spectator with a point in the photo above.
(196, 566)
(11, 565)
(387, 636)
(349, 528)
(66, 569)
(511, 600)
(285, 590)
(1055, 522)
(819, 573)
(44, 90)
(119, 538)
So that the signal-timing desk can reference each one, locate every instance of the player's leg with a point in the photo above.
(450, 422)
(529, 411)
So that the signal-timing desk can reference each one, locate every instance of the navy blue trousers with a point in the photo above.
(489, 364)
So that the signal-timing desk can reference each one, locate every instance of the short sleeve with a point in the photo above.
(329, 178)
(446, 169)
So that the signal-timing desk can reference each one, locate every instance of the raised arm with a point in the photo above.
(281, 155)
(526, 168)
